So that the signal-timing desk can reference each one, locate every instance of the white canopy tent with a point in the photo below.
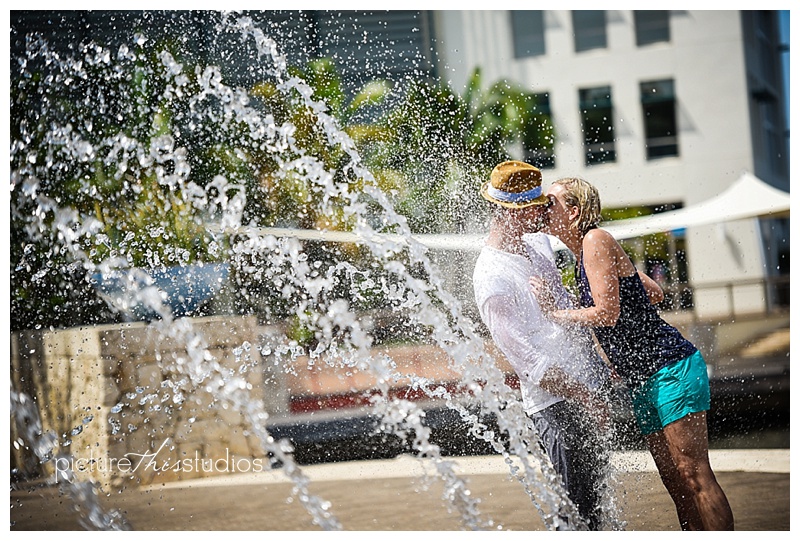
(748, 197)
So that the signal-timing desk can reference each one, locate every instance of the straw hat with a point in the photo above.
(515, 185)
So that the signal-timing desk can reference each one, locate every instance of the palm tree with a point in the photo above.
(294, 199)
(444, 145)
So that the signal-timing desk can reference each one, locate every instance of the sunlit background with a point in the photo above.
(232, 229)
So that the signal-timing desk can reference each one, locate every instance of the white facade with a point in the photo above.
(715, 59)
(707, 60)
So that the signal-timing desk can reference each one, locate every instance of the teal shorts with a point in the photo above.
(672, 393)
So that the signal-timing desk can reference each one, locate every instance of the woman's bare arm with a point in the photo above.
(601, 254)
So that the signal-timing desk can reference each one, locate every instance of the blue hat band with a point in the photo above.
(508, 197)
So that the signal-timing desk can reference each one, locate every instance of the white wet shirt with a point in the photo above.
(531, 342)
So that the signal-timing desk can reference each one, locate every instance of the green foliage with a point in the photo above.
(652, 247)
(298, 199)
(135, 152)
(300, 331)
(100, 149)
(443, 146)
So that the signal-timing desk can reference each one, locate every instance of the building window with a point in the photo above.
(652, 26)
(660, 126)
(767, 57)
(358, 41)
(765, 91)
(589, 29)
(598, 126)
(539, 138)
(772, 140)
(527, 28)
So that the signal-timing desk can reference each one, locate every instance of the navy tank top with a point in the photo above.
(641, 343)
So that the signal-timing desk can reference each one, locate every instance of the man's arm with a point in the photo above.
(530, 361)
(556, 381)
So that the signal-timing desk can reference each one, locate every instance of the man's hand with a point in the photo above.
(555, 381)
(599, 410)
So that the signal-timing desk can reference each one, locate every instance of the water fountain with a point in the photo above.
(62, 146)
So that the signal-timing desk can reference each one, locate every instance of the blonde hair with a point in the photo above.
(581, 194)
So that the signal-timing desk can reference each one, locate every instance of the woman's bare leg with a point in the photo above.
(687, 444)
(688, 515)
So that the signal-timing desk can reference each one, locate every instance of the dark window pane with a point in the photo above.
(360, 42)
(527, 28)
(660, 126)
(766, 48)
(652, 26)
(772, 140)
(539, 138)
(589, 27)
(598, 126)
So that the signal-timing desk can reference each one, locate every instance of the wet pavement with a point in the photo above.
(391, 495)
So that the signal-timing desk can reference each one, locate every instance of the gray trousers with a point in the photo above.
(571, 441)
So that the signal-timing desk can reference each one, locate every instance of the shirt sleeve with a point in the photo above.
(516, 338)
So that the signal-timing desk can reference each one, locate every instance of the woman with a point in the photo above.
(664, 371)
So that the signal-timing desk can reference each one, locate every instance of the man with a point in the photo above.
(560, 373)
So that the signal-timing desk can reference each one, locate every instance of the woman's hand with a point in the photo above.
(544, 295)
(547, 302)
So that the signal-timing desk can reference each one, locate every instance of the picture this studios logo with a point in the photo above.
(133, 463)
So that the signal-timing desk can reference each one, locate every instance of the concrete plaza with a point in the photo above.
(390, 495)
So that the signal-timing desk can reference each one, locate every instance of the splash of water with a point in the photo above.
(340, 334)
(84, 495)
